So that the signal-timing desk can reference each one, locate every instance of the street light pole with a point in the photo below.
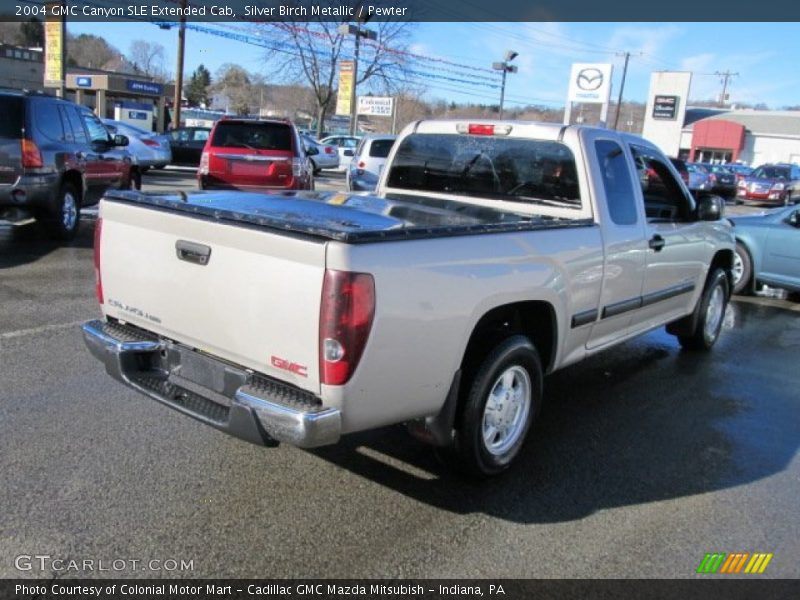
(505, 68)
(347, 29)
(354, 98)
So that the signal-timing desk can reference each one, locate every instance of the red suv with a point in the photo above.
(253, 155)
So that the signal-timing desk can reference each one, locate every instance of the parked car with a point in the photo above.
(739, 171)
(255, 154)
(346, 145)
(322, 156)
(367, 163)
(491, 254)
(723, 181)
(186, 145)
(767, 250)
(698, 178)
(55, 158)
(771, 184)
(680, 167)
(151, 150)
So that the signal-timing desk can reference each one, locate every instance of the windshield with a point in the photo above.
(770, 173)
(254, 136)
(512, 169)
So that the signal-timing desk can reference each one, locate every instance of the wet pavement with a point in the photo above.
(644, 458)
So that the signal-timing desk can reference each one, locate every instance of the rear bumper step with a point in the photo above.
(249, 406)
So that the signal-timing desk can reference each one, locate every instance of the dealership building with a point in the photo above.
(718, 135)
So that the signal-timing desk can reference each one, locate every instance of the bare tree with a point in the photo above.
(237, 90)
(311, 52)
(90, 51)
(149, 58)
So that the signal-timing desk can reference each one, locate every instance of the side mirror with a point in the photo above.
(312, 150)
(794, 219)
(348, 152)
(709, 207)
(121, 140)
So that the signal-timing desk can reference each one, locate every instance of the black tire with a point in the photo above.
(514, 357)
(63, 221)
(710, 313)
(135, 180)
(743, 284)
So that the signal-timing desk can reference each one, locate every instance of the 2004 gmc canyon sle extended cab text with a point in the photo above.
(492, 253)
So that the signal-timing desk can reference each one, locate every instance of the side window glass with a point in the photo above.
(664, 199)
(200, 135)
(76, 124)
(69, 136)
(48, 121)
(97, 133)
(616, 182)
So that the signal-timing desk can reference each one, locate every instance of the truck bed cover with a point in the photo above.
(345, 217)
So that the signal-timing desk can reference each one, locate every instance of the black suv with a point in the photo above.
(55, 157)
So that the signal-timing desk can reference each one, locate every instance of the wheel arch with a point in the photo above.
(535, 319)
(75, 178)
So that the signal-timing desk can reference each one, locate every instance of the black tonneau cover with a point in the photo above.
(346, 217)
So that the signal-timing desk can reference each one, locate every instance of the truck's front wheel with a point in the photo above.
(502, 401)
(710, 313)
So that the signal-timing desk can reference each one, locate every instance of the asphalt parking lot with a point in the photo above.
(645, 458)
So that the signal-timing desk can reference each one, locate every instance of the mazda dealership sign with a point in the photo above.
(590, 83)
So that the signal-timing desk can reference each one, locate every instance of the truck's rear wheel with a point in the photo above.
(710, 313)
(62, 222)
(501, 402)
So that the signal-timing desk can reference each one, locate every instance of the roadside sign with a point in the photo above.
(590, 83)
(345, 96)
(375, 106)
(665, 107)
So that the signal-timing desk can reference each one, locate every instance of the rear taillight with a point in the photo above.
(348, 307)
(203, 167)
(98, 281)
(361, 164)
(151, 143)
(330, 150)
(31, 156)
(297, 166)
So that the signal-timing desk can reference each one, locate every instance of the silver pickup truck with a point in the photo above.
(491, 254)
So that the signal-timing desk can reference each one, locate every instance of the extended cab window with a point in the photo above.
(664, 197)
(511, 169)
(616, 182)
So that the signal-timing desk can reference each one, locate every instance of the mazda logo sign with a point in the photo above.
(589, 79)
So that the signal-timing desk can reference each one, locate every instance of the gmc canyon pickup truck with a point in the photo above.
(492, 254)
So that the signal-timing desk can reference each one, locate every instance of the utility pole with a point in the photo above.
(627, 56)
(178, 98)
(724, 78)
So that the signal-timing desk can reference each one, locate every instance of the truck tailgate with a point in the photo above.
(255, 301)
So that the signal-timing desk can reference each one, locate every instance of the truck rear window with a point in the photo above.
(511, 169)
(253, 136)
(12, 122)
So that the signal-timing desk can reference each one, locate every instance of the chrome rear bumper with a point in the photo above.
(241, 403)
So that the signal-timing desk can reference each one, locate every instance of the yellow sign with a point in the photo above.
(53, 53)
(345, 98)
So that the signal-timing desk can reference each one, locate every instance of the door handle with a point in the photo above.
(657, 243)
(192, 252)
